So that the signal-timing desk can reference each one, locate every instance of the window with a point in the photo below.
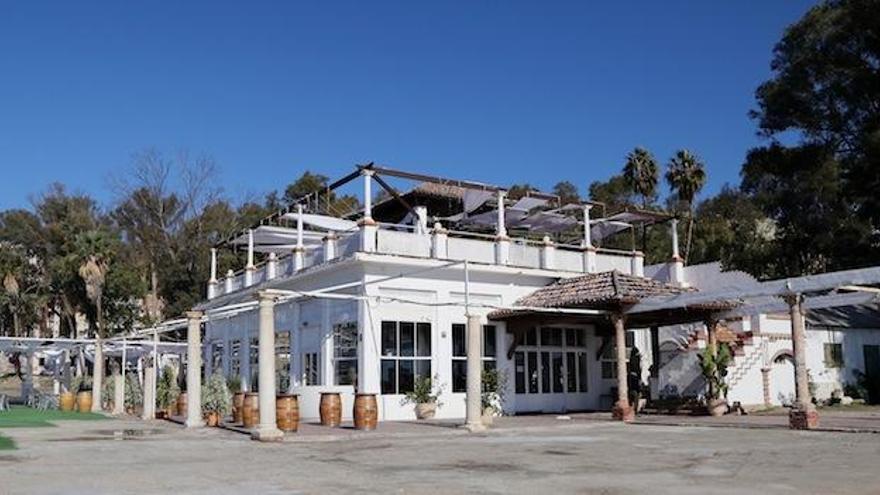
(609, 356)
(833, 355)
(235, 358)
(406, 355)
(551, 361)
(217, 355)
(345, 361)
(255, 364)
(311, 366)
(459, 354)
(282, 362)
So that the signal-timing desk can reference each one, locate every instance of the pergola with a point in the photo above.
(637, 302)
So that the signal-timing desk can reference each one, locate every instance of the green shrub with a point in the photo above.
(167, 390)
(215, 395)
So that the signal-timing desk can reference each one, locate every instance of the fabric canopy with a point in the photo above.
(324, 222)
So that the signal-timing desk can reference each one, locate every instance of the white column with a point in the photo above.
(588, 240)
(250, 268)
(421, 220)
(119, 393)
(267, 429)
(97, 374)
(474, 413)
(368, 196)
(501, 228)
(227, 283)
(676, 267)
(803, 399)
(622, 409)
(330, 246)
(637, 264)
(194, 370)
(674, 228)
(271, 266)
(299, 250)
(327, 378)
(548, 254)
(368, 355)
(439, 244)
(149, 405)
(212, 282)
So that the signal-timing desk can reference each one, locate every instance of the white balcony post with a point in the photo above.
(227, 283)
(299, 250)
(194, 369)
(439, 242)
(421, 220)
(250, 268)
(676, 268)
(548, 254)
(271, 266)
(212, 282)
(588, 241)
(330, 246)
(267, 429)
(501, 228)
(637, 263)
(367, 224)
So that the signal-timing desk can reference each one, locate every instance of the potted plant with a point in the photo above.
(492, 396)
(167, 392)
(714, 370)
(234, 384)
(423, 396)
(216, 401)
(134, 394)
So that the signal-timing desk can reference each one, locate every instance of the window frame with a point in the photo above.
(417, 360)
(488, 361)
(832, 354)
(536, 370)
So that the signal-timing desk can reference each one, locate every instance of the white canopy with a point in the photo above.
(323, 222)
(271, 238)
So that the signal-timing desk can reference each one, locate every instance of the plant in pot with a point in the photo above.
(424, 397)
(234, 385)
(714, 370)
(216, 401)
(492, 397)
(167, 392)
(134, 393)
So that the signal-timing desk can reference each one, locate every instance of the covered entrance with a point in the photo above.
(552, 370)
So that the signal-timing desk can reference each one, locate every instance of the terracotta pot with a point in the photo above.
(212, 418)
(237, 407)
(67, 401)
(84, 401)
(488, 416)
(717, 407)
(181, 404)
(426, 410)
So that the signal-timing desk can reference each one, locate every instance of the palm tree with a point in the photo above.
(641, 174)
(686, 176)
(94, 250)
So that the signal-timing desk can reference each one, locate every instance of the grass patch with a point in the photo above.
(27, 417)
(6, 443)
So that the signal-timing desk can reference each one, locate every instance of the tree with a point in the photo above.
(825, 96)
(567, 192)
(614, 193)
(686, 176)
(642, 175)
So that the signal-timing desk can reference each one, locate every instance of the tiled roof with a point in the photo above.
(596, 289)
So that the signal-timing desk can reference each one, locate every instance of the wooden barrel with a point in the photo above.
(84, 401)
(366, 412)
(67, 401)
(181, 404)
(287, 412)
(237, 404)
(331, 409)
(250, 410)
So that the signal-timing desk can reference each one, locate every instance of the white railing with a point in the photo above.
(403, 243)
(522, 254)
(569, 260)
(607, 262)
(348, 245)
(471, 250)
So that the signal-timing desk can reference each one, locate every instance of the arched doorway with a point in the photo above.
(782, 389)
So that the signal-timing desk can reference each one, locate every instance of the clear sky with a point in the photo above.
(502, 91)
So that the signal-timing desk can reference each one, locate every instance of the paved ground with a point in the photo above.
(862, 419)
(522, 455)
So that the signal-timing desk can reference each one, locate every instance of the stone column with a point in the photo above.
(118, 392)
(250, 269)
(149, 406)
(272, 266)
(227, 282)
(194, 370)
(367, 225)
(590, 254)
(299, 250)
(212, 282)
(765, 384)
(712, 344)
(622, 410)
(97, 375)
(637, 264)
(474, 413)
(330, 246)
(803, 415)
(676, 267)
(267, 429)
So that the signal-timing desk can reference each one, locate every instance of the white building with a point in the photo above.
(373, 301)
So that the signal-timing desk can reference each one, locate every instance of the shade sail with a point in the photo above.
(323, 222)
(270, 238)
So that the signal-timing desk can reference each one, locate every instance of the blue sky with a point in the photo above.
(502, 91)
